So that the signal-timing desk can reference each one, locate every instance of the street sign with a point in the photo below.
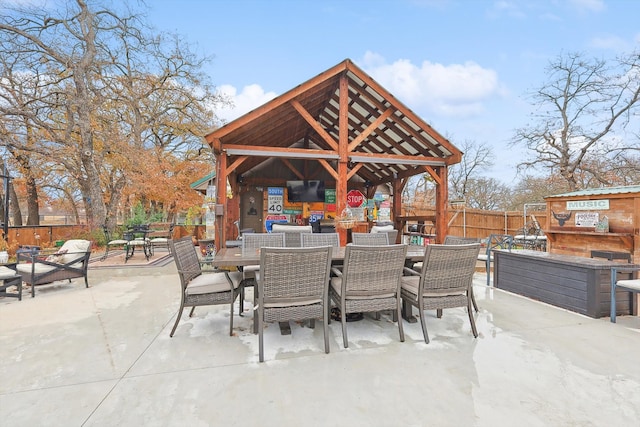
(355, 199)
(271, 219)
(275, 200)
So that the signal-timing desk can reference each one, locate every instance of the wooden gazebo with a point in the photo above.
(342, 125)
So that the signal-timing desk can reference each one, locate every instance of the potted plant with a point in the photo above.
(194, 214)
(4, 250)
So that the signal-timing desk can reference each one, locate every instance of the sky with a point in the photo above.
(464, 66)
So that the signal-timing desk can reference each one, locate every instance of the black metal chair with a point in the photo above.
(112, 243)
(627, 285)
(69, 262)
(494, 241)
(160, 238)
(136, 237)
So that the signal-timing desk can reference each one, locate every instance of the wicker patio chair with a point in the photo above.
(253, 242)
(445, 281)
(450, 240)
(320, 239)
(457, 240)
(215, 288)
(293, 285)
(292, 233)
(494, 241)
(368, 282)
(392, 235)
(370, 239)
(392, 232)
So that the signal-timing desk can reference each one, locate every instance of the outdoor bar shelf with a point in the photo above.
(625, 238)
(575, 283)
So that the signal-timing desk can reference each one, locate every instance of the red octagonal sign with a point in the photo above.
(355, 199)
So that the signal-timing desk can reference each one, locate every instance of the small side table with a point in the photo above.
(9, 277)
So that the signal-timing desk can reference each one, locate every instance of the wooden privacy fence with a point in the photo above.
(480, 224)
(45, 235)
(462, 222)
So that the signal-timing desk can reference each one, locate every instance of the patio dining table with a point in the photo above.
(233, 257)
(228, 258)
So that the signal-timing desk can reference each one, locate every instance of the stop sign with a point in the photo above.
(355, 199)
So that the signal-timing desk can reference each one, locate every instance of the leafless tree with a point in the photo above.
(533, 189)
(487, 193)
(477, 158)
(584, 110)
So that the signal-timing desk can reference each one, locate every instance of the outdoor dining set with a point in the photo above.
(143, 237)
(311, 277)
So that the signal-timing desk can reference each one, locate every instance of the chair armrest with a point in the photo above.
(410, 272)
(196, 271)
(31, 257)
(623, 269)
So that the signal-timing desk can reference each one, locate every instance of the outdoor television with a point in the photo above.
(305, 191)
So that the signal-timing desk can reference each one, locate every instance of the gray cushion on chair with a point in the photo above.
(76, 249)
(207, 283)
(7, 273)
(281, 228)
(629, 284)
(381, 228)
(37, 268)
(410, 283)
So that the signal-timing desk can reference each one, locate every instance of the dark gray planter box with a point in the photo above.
(575, 283)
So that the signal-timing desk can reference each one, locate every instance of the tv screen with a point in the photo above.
(305, 191)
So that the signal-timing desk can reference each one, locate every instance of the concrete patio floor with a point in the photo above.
(102, 356)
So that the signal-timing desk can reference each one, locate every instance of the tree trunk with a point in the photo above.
(16, 212)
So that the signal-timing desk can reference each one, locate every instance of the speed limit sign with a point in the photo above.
(275, 200)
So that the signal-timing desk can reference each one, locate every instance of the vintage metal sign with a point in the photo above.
(275, 199)
(587, 219)
(588, 205)
(355, 199)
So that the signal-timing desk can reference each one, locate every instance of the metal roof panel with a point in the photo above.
(600, 191)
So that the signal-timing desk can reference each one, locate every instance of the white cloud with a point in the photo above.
(509, 8)
(454, 90)
(610, 42)
(251, 97)
(589, 5)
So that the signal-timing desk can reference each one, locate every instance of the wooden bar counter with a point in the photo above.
(575, 283)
